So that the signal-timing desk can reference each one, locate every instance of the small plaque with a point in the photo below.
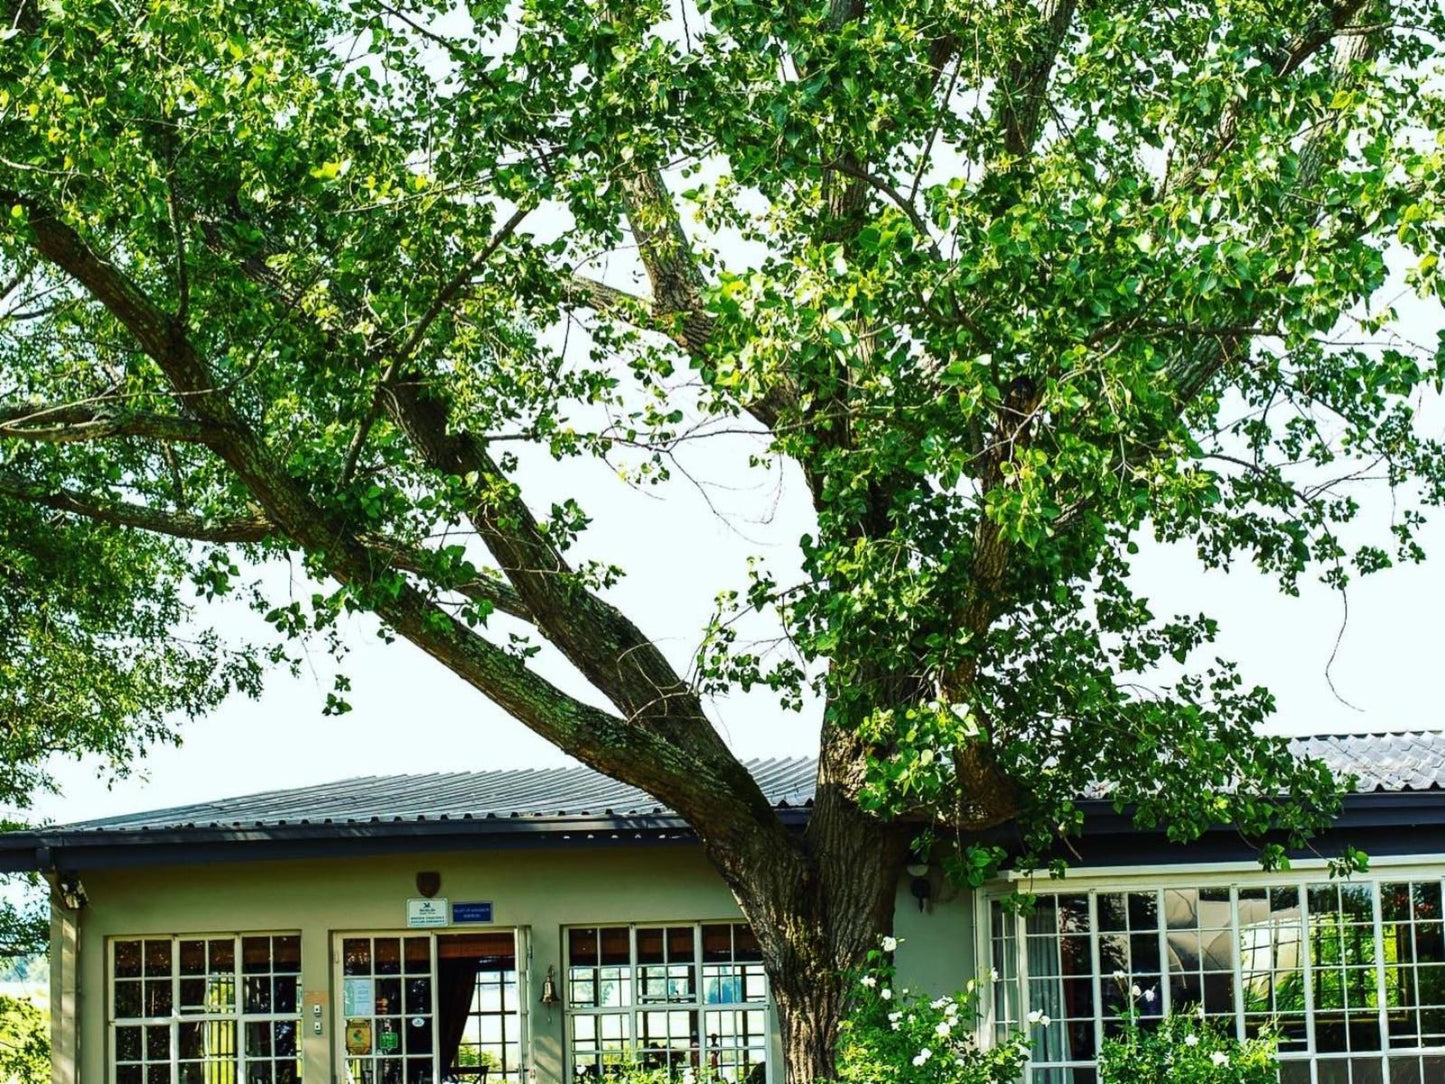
(424, 913)
(473, 911)
(358, 1037)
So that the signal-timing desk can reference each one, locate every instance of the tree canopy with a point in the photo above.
(1010, 284)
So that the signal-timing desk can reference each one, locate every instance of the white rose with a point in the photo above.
(942, 1029)
(1219, 1057)
(1044, 1020)
(993, 974)
(939, 1003)
(1149, 996)
(1034, 1016)
(890, 944)
(1134, 991)
(1191, 1040)
(886, 994)
(922, 1056)
(894, 1017)
(869, 981)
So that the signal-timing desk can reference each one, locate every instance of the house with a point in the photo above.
(520, 926)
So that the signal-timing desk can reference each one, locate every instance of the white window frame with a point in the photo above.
(634, 1007)
(172, 1022)
(1302, 877)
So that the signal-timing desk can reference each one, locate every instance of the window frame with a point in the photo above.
(1162, 879)
(634, 1007)
(173, 1021)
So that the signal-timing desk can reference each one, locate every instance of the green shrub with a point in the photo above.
(1185, 1050)
(903, 1037)
(24, 1043)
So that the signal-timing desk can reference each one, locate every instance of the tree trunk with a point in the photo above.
(817, 909)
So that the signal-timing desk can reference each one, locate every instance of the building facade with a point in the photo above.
(521, 927)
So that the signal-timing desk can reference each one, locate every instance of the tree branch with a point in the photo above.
(64, 423)
(677, 281)
(680, 759)
(128, 514)
(438, 306)
(1022, 90)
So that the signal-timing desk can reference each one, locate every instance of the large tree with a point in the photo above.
(1007, 283)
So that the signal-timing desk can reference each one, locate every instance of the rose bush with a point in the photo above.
(898, 1035)
(1183, 1048)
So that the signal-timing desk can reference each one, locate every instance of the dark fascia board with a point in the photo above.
(114, 849)
(1372, 821)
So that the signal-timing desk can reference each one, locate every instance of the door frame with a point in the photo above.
(522, 947)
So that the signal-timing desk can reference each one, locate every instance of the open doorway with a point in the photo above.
(478, 1008)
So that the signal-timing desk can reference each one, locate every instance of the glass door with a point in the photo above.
(424, 1008)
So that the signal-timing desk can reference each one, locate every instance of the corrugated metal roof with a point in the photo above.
(530, 793)
(1400, 761)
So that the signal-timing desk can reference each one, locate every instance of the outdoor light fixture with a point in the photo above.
(72, 892)
(922, 889)
(549, 989)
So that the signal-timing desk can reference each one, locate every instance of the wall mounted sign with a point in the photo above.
(423, 913)
(358, 1037)
(358, 997)
(474, 911)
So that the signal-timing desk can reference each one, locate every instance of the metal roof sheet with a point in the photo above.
(553, 794)
(1398, 761)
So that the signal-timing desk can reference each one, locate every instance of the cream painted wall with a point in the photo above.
(544, 889)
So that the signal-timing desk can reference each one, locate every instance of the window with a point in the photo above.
(1352, 974)
(206, 1010)
(675, 997)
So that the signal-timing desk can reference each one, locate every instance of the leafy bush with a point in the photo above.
(1184, 1049)
(24, 1043)
(899, 1036)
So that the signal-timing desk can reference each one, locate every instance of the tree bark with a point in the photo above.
(816, 911)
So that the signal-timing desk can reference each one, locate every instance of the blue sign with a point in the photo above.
(472, 912)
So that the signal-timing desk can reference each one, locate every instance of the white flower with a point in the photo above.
(993, 974)
(1119, 976)
(951, 1009)
(1034, 1016)
(869, 981)
(922, 1056)
(890, 944)
(1045, 1020)
(894, 1017)
(886, 994)
(1219, 1057)
(1134, 991)
(895, 1025)
(942, 1028)
(1149, 995)
(1191, 1040)
(938, 1003)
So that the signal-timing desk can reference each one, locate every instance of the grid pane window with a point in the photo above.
(206, 1010)
(388, 1009)
(1350, 974)
(1130, 955)
(1271, 960)
(675, 997)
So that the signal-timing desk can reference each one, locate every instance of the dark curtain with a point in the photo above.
(457, 984)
